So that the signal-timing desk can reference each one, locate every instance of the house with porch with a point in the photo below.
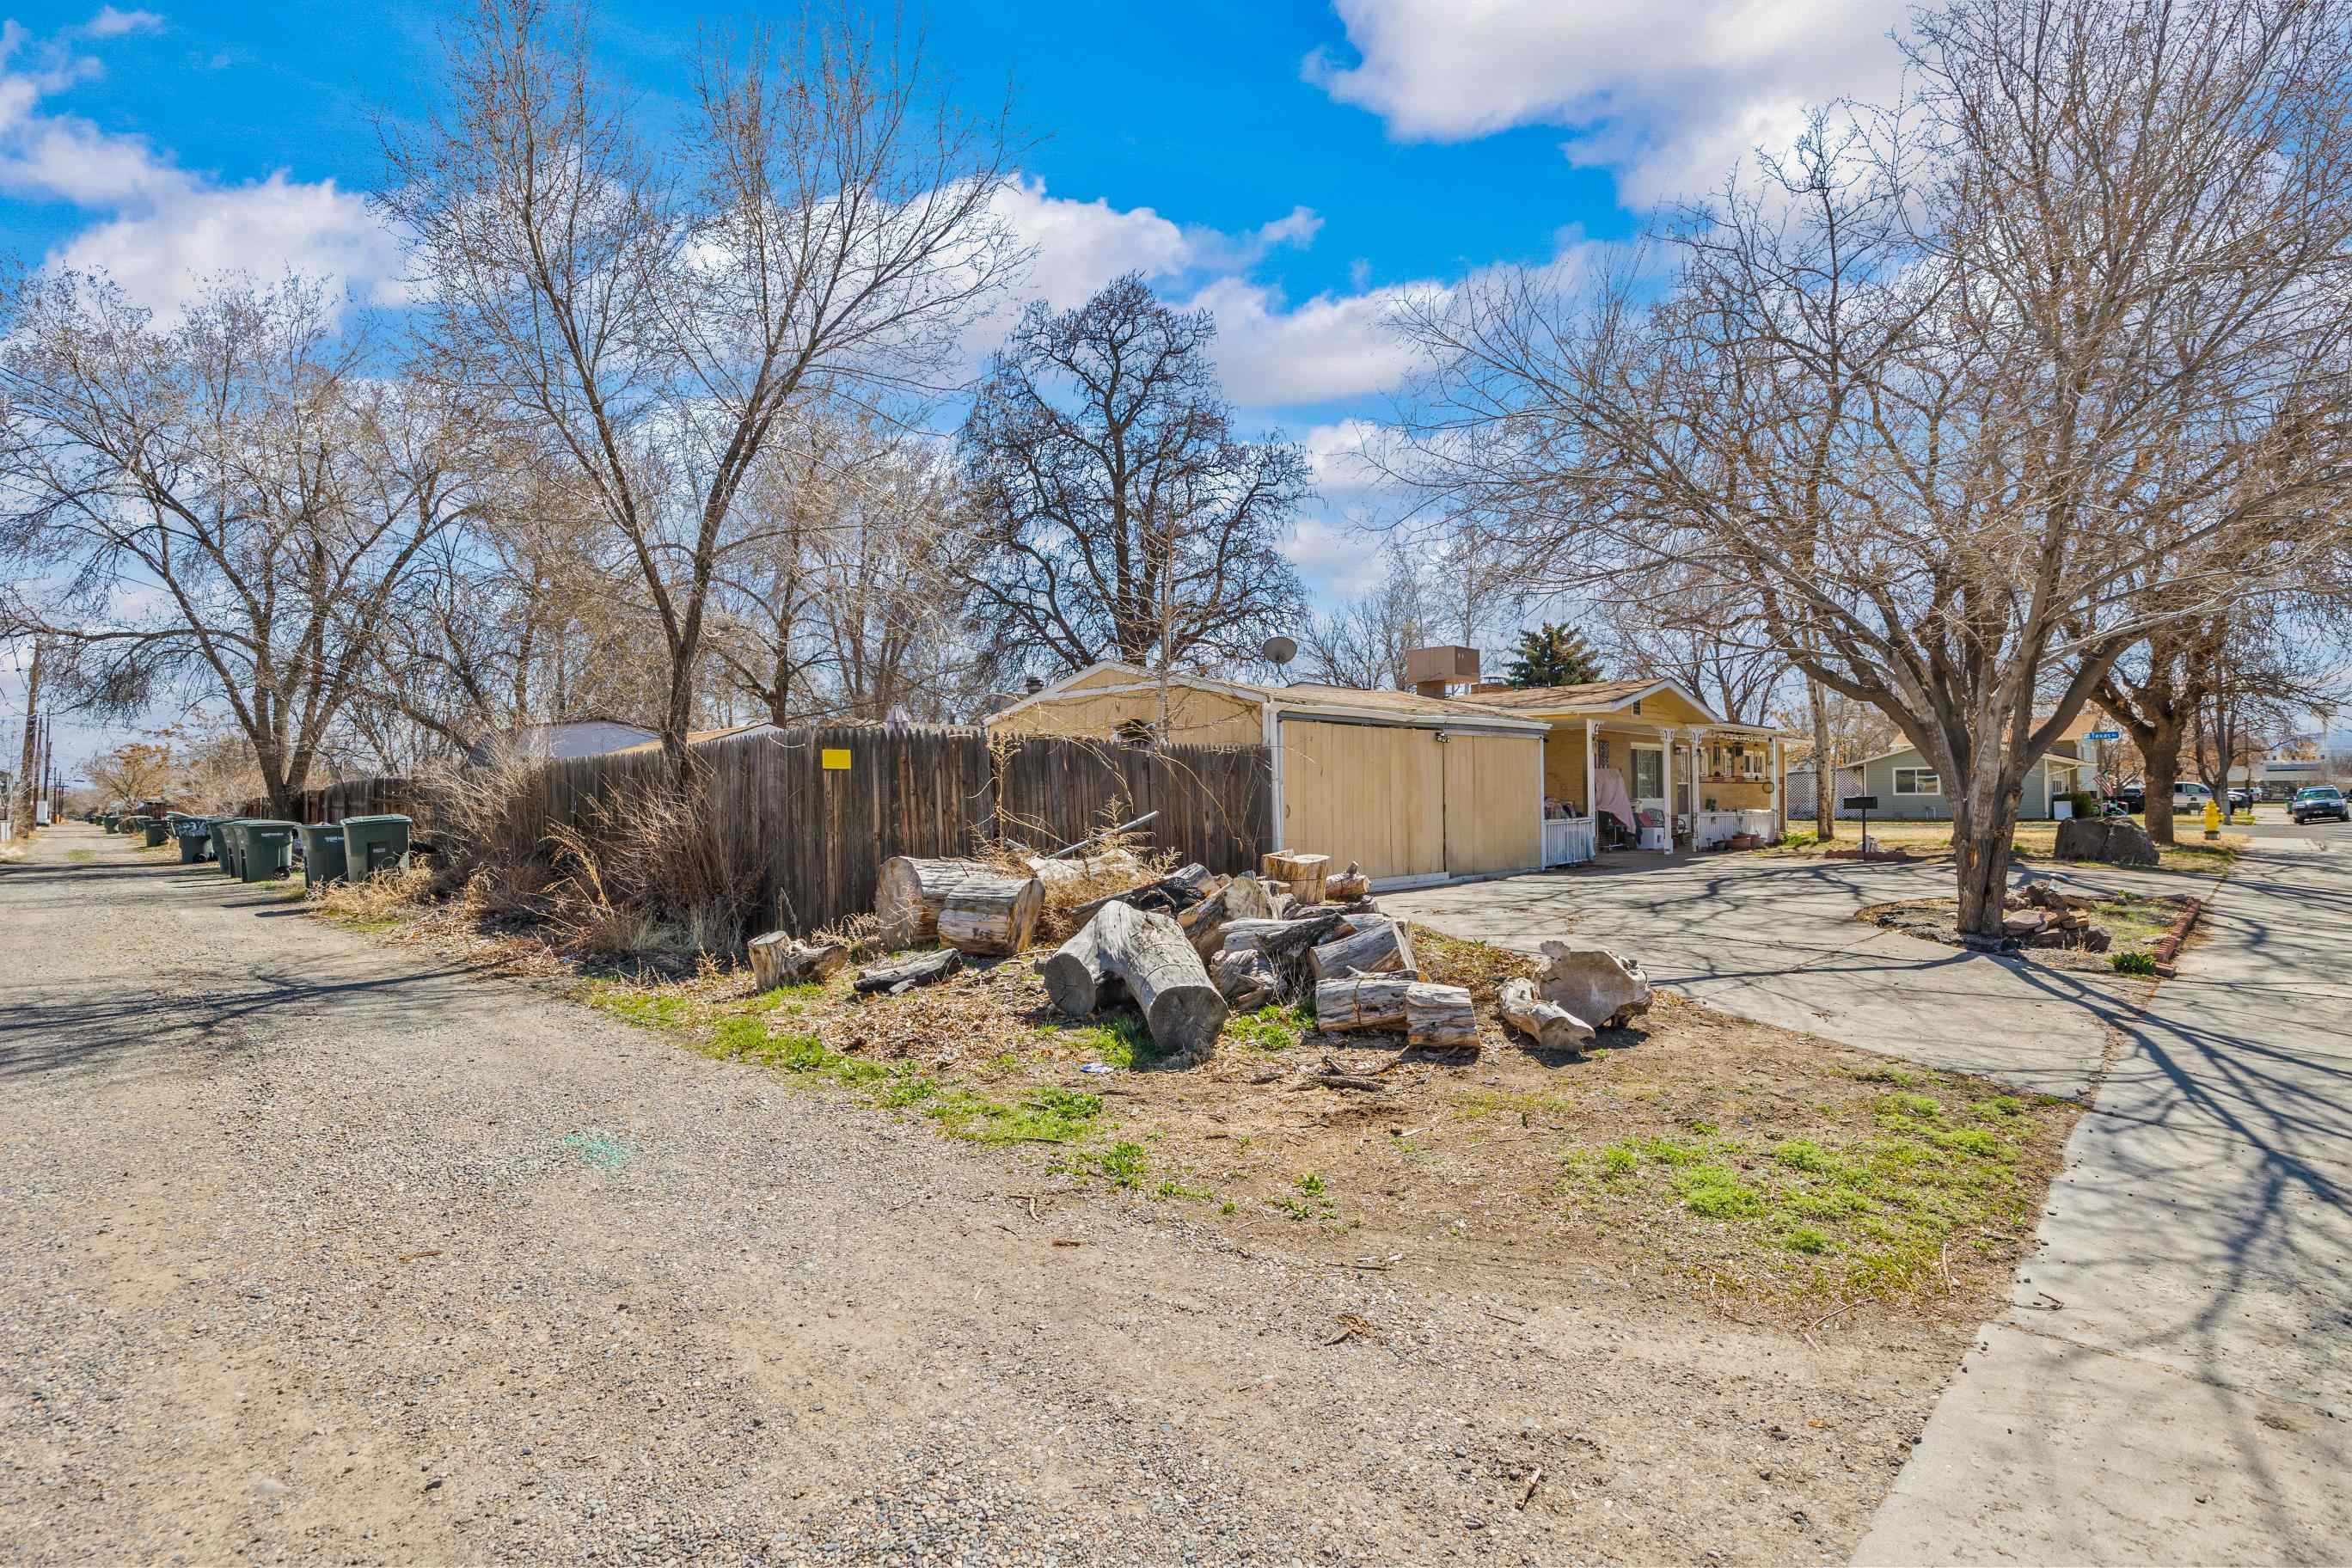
(1453, 780)
(1645, 764)
(1910, 790)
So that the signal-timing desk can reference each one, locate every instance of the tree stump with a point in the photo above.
(1153, 963)
(1550, 1026)
(1241, 899)
(1302, 874)
(780, 959)
(910, 892)
(997, 918)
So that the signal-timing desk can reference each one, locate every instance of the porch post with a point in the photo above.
(1780, 789)
(1591, 790)
(1666, 754)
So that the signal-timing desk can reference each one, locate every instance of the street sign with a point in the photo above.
(835, 759)
(2104, 736)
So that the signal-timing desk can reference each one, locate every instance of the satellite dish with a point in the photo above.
(1279, 650)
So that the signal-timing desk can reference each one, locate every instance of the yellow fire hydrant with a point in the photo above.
(2212, 820)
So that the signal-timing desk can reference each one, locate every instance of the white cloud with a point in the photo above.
(1671, 93)
(1337, 562)
(1333, 346)
(166, 228)
(1081, 246)
(110, 23)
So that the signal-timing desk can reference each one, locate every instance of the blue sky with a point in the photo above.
(1290, 166)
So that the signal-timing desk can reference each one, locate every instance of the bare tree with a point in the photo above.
(135, 770)
(1922, 394)
(1121, 517)
(821, 227)
(228, 506)
(1364, 641)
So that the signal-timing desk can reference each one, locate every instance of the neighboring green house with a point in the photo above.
(1909, 790)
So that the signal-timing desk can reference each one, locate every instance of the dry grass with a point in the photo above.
(2032, 841)
(2133, 921)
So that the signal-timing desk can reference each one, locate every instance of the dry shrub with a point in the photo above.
(654, 870)
(385, 894)
(1110, 864)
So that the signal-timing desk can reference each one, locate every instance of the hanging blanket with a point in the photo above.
(1609, 795)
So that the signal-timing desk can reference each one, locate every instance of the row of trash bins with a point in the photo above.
(260, 849)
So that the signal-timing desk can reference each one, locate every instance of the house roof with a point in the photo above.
(1305, 698)
(700, 737)
(1587, 694)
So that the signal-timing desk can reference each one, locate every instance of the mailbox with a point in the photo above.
(1859, 803)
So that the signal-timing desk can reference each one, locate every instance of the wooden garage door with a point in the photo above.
(1367, 792)
(1493, 803)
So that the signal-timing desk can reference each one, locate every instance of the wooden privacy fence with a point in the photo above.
(825, 807)
(375, 796)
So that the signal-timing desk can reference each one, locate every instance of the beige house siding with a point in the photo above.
(1195, 717)
(1373, 793)
(1563, 750)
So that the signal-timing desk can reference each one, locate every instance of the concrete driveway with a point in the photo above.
(1775, 940)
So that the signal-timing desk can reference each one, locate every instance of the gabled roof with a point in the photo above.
(1595, 696)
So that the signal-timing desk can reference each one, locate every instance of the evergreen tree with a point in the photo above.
(1555, 656)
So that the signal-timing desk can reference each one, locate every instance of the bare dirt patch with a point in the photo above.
(2135, 924)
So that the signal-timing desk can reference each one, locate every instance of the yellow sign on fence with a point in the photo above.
(836, 759)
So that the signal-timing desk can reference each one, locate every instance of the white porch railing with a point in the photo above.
(1567, 841)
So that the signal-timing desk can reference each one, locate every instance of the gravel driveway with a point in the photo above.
(311, 1249)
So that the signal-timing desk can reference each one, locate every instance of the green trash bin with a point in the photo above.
(322, 854)
(193, 833)
(110, 820)
(231, 833)
(269, 849)
(373, 844)
(157, 830)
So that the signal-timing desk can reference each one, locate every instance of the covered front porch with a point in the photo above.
(1644, 766)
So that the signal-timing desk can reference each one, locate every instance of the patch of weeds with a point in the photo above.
(2139, 964)
(1002, 1064)
(81, 857)
(1803, 1154)
(1119, 1041)
(1296, 1208)
(1269, 1029)
(911, 1090)
(1804, 1238)
(1175, 1189)
(1712, 1191)
(1895, 1076)
(1229, 1208)
(2000, 1107)
(1619, 1160)
(1704, 1127)
(1052, 1116)
(1669, 1151)
(633, 1005)
(1917, 1107)
(1973, 1141)
(1310, 1185)
(1123, 1165)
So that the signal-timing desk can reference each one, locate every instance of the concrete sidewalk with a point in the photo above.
(1775, 940)
(2172, 1384)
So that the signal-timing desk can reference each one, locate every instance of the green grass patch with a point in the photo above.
(1119, 1041)
(649, 1009)
(1269, 1029)
(81, 857)
(1123, 1165)
(2140, 964)
(1872, 1209)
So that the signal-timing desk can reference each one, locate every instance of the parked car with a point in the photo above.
(2242, 800)
(2129, 797)
(2319, 804)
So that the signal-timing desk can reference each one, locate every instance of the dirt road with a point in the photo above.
(313, 1250)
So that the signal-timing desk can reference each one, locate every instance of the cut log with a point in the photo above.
(780, 959)
(1362, 1002)
(997, 918)
(1241, 899)
(1348, 886)
(1550, 1026)
(1302, 874)
(1379, 947)
(909, 891)
(1148, 954)
(1280, 903)
(1440, 1018)
(906, 973)
(1246, 980)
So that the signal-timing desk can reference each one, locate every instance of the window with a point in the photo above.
(1916, 781)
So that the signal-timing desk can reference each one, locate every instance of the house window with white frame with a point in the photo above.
(1917, 780)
